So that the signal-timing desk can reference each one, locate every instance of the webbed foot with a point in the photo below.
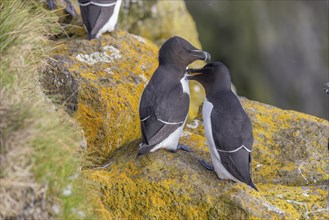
(207, 165)
(182, 147)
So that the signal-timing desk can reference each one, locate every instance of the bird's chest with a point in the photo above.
(185, 85)
(206, 112)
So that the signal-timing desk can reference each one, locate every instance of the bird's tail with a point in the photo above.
(144, 149)
(253, 186)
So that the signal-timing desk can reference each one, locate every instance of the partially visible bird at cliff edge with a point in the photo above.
(326, 88)
(227, 126)
(99, 16)
(68, 9)
(165, 100)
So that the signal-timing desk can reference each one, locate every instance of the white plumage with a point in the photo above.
(110, 25)
(219, 168)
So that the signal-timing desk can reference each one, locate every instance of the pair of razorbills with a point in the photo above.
(165, 101)
(164, 107)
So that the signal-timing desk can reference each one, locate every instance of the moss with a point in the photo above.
(37, 144)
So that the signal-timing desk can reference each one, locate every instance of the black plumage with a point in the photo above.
(326, 88)
(230, 126)
(165, 100)
(96, 14)
(69, 7)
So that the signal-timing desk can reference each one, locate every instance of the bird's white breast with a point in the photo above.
(185, 85)
(219, 168)
(110, 25)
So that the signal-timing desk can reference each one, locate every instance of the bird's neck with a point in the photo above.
(175, 70)
(217, 87)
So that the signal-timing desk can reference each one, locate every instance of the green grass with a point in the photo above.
(29, 122)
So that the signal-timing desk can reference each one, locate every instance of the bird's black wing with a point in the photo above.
(104, 16)
(161, 110)
(231, 128)
(89, 19)
(100, 2)
(94, 16)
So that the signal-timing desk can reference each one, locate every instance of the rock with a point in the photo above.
(158, 20)
(290, 158)
(155, 20)
(290, 153)
(100, 82)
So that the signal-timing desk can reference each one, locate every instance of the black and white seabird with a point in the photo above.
(165, 100)
(99, 16)
(227, 126)
(69, 7)
(326, 88)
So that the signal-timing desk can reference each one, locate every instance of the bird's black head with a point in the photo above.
(213, 77)
(179, 52)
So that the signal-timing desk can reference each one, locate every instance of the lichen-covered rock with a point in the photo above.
(155, 20)
(158, 20)
(103, 80)
(100, 81)
(290, 169)
(291, 147)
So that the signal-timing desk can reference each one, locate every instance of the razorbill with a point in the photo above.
(326, 89)
(165, 100)
(99, 16)
(227, 126)
(69, 7)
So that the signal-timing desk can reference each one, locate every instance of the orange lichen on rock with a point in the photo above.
(166, 185)
(290, 153)
(111, 73)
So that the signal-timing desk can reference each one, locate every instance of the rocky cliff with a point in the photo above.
(101, 81)
(155, 20)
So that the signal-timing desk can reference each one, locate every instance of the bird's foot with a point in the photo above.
(182, 147)
(207, 165)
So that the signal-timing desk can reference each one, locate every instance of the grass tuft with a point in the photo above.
(39, 146)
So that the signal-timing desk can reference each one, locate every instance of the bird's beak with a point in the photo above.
(202, 55)
(193, 73)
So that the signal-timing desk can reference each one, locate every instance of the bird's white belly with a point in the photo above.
(171, 142)
(219, 168)
(110, 25)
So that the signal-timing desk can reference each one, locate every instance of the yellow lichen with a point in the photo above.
(109, 91)
(289, 152)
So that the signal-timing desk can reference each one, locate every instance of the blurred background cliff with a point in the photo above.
(277, 51)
